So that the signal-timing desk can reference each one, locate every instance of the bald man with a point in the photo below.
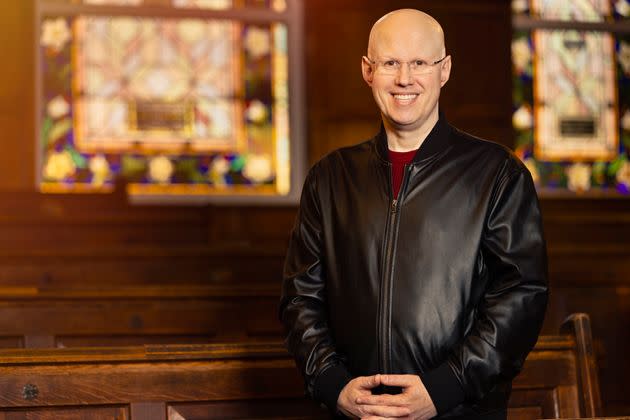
(415, 280)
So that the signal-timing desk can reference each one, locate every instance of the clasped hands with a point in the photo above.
(357, 401)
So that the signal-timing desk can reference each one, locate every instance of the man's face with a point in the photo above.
(406, 99)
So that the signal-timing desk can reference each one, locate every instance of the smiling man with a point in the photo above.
(415, 280)
(406, 67)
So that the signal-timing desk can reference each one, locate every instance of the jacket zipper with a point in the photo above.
(385, 301)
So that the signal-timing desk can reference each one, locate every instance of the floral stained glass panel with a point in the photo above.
(583, 173)
(169, 106)
(204, 4)
(575, 104)
(275, 5)
(156, 84)
(114, 2)
(574, 10)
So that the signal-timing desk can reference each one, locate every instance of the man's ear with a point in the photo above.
(445, 72)
(367, 70)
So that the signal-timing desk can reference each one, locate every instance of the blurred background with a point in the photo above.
(152, 154)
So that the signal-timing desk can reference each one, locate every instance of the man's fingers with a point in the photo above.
(399, 380)
(370, 381)
(385, 411)
(384, 399)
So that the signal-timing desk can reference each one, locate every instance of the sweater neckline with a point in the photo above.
(438, 140)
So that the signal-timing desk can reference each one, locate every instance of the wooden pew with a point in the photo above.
(34, 317)
(153, 382)
(559, 378)
(247, 380)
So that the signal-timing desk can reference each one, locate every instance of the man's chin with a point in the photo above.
(403, 125)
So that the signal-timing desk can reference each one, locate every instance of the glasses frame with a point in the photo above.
(408, 63)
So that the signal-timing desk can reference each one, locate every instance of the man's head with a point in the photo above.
(400, 69)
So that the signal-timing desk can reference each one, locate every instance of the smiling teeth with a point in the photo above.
(405, 97)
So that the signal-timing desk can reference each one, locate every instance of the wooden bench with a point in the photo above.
(559, 378)
(32, 317)
(153, 382)
(247, 380)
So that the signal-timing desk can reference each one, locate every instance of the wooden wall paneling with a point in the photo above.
(142, 266)
(17, 96)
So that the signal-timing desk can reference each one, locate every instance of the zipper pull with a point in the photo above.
(394, 206)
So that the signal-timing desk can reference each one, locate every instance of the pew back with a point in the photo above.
(559, 378)
(35, 317)
(255, 380)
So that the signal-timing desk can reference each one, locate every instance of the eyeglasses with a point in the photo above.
(392, 67)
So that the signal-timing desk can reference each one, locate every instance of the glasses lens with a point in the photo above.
(393, 67)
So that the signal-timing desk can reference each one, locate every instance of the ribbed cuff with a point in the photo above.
(443, 388)
(329, 384)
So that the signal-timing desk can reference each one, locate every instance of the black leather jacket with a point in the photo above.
(446, 281)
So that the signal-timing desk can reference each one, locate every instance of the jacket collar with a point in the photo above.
(438, 140)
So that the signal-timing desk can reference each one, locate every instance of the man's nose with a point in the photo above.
(403, 77)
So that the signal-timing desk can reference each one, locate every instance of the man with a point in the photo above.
(415, 281)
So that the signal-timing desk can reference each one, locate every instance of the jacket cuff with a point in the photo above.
(328, 385)
(443, 388)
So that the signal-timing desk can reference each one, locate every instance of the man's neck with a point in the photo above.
(407, 140)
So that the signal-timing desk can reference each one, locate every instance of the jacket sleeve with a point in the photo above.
(303, 308)
(509, 316)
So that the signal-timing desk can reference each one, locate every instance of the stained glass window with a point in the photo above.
(204, 4)
(571, 72)
(184, 107)
(573, 10)
(276, 5)
(575, 102)
(114, 2)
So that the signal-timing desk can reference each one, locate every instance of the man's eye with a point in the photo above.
(419, 63)
(391, 63)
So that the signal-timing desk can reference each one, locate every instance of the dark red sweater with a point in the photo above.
(399, 160)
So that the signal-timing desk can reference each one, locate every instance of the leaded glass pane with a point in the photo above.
(156, 82)
(172, 106)
(520, 7)
(204, 4)
(621, 9)
(575, 106)
(276, 5)
(574, 10)
(571, 92)
(115, 2)
(575, 172)
(281, 105)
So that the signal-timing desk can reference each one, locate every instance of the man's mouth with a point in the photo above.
(405, 97)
